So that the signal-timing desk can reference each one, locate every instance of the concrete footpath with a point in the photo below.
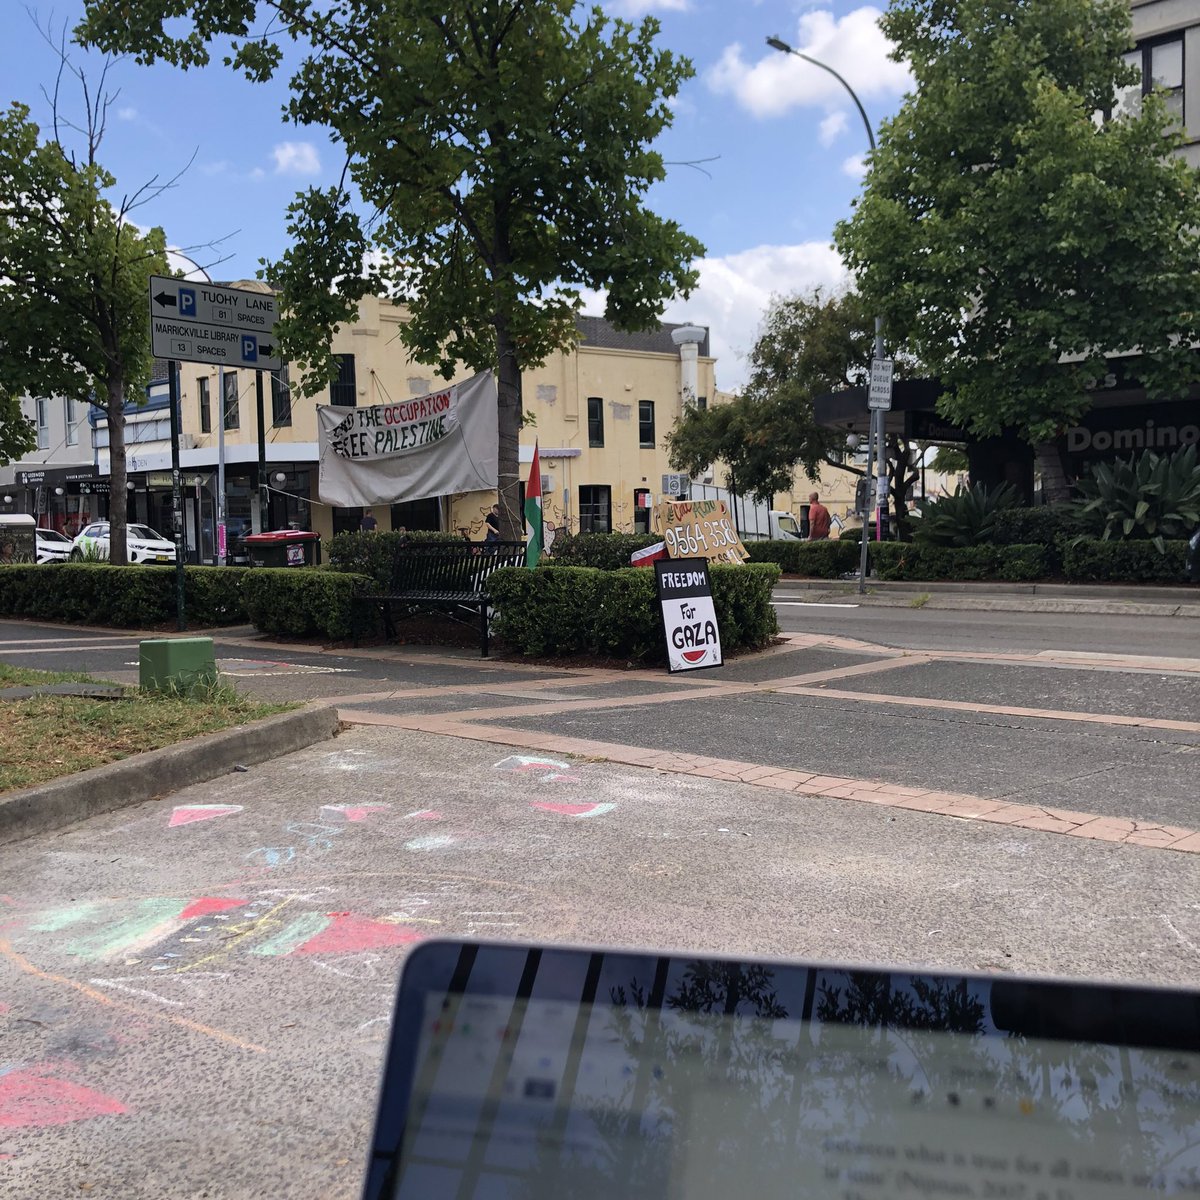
(215, 969)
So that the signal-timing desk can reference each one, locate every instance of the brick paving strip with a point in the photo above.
(802, 783)
(470, 724)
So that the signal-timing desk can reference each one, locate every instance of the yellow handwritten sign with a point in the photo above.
(700, 529)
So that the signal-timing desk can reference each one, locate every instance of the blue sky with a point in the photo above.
(786, 139)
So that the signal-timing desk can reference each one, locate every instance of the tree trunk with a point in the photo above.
(1056, 487)
(508, 389)
(118, 498)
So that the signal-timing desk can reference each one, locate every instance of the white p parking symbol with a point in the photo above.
(250, 348)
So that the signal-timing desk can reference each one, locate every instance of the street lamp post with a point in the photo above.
(875, 436)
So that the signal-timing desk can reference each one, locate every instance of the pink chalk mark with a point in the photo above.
(348, 933)
(351, 812)
(573, 810)
(209, 904)
(186, 814)
(4, 1008)
(31, 1100)
(424, 814)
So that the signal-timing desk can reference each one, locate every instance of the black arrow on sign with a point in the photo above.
(266, 351)
(165, 300)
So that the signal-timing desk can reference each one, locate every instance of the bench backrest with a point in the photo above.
(452, 566)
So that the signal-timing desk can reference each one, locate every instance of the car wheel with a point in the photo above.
(76, 556)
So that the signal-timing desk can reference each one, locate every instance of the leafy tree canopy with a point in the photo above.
(502, 148)
(74, 278)
(1005, 223)
(809, 344)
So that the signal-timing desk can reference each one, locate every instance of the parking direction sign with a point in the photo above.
(207, 323)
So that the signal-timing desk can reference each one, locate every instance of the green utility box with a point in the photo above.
(176, 664)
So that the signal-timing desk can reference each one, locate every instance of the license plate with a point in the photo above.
(163, 558)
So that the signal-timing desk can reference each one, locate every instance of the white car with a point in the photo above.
(142, 544)
(52, 546)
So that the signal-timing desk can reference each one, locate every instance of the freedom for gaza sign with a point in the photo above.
(689, 616)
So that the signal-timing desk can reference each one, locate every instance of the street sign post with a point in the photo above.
(205, 323)
(880, 394)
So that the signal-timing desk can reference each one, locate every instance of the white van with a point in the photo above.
(18, 539)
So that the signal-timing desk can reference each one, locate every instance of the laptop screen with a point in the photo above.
(555, 1074)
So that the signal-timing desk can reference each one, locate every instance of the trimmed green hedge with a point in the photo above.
(309, 601)
(126, 597)
(607, 551)
(362, 553)
(1040, 526)
(905, 560)
(1092, 560)
(560, 611)
(816, 560)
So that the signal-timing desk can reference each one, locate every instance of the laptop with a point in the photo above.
(555, 1073)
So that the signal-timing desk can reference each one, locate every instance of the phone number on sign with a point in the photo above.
(700, 537)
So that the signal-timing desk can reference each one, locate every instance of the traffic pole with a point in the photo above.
(176, 494)
(262, 453)
(874, 430)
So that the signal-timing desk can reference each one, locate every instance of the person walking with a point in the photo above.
(818, 519)
(368, 524)
(493, 525)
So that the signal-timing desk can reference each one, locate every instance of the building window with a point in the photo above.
(641, 510)
(233, 417)
(69, 407)
(595, 421)
(646, 424)
(281, 397)
(203, 391)
(595, 509)
(1160, 62)
(344, 389)
(702, 403)
(43, 424)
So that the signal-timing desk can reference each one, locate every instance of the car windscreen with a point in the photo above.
(145, 533)
(52, 535)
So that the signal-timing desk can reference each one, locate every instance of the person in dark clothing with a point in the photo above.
(493, 525)
(368, 524)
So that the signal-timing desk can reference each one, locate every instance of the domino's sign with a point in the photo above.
(689, 617)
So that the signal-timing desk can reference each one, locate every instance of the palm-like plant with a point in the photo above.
(1154, 496)
(967, 517)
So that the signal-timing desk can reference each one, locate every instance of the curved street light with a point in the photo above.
(875, 436)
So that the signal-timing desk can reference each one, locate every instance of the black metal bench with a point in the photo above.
(449, 577)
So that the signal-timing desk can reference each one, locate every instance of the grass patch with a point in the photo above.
(919, 601)
(45, 737)
(11, 676)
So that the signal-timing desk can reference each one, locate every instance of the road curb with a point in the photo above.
(61, 802)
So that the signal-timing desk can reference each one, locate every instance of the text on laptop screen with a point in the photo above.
(623, 1076)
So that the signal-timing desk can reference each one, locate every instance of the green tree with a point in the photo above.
(74, 284)
(1008, 233)
(810, 343)
(503, 148)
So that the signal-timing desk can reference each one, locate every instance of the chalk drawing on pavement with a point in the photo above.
(573, 810)
(436, 841)
(189, 814)
(351, 812)
(548, 770)
(423, 814)
(33, 1098)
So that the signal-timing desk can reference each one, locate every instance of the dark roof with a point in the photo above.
(599, 332)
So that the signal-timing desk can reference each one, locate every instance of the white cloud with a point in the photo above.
(735, 292)
(128, 113)
(832, 127)
(296, 158)
(215, 168)
(258, 173)
(855, 166)
(639, 8)
(854, 46)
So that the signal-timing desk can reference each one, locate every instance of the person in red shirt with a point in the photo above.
(818, 519)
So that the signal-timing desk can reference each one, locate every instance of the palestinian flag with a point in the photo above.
(533, 511)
